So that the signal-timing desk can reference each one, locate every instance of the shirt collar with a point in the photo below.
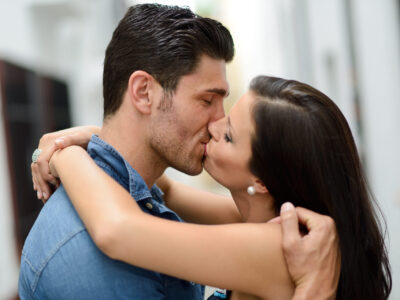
(110, 159)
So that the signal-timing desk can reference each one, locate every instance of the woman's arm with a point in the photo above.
(197, 206)
(49, 143)
(193, 205)
(243, 257)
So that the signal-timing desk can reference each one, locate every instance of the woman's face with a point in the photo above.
(229, 150)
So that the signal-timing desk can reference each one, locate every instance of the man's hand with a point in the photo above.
(43, 181)
(313, 259)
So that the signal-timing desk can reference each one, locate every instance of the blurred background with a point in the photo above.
(51, 61)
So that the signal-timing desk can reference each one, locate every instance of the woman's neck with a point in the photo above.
(257, 208)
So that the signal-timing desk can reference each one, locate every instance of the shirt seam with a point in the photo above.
(143, 196)
(43, 266)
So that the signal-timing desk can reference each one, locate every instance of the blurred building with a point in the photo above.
(51, 57)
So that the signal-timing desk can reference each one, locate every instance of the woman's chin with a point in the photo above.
(206, 165)
(208, 168)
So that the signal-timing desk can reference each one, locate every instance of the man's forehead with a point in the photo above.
(208, 77)
(219, 87)
(220, 90)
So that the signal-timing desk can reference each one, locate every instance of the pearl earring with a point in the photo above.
(251, 190)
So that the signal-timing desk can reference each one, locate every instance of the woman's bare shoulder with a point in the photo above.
(268, 255)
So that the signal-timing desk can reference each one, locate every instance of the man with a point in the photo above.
(167, 63)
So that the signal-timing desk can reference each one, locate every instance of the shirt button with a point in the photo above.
(149, 205)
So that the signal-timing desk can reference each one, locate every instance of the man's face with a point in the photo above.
(178, 132)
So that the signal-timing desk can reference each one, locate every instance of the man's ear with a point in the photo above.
(260, 187)
(139, 90)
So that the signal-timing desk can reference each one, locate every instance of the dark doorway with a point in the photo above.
(32, 105)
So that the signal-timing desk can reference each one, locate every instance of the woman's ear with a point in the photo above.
(139, 90)
(260, 187)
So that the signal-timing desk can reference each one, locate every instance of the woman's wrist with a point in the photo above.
(62, 156)
(94, 129)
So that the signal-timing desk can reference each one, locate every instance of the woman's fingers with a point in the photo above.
(33, 181)
(42, 179)
(38, 188)
(41, 182)
(41, 173)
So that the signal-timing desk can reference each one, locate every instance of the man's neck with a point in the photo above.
(132, 145)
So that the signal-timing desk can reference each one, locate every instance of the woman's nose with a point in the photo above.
(214, 128)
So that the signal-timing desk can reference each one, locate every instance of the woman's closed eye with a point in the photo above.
(227, 138)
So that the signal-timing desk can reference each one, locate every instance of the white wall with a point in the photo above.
(378, 48)
(330, 55)
(65, 39)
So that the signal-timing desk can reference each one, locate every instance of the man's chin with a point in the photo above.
(192, 170)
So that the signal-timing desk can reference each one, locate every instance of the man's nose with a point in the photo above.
(219, 112)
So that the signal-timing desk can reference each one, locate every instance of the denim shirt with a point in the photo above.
(60, 261)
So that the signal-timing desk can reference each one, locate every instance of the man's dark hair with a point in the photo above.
(166, 42)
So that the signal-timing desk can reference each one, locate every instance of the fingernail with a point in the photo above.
(286, 207)
(59, 141)
(39, 195)
(44, 195)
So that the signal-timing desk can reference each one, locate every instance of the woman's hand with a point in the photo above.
(44, 182)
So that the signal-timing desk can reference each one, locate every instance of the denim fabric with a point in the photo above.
(60, 261)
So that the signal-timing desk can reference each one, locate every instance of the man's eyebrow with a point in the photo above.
(221, 92)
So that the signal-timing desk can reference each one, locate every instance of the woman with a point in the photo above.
(295, 145)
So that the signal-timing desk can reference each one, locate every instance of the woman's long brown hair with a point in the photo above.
(304, 152)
